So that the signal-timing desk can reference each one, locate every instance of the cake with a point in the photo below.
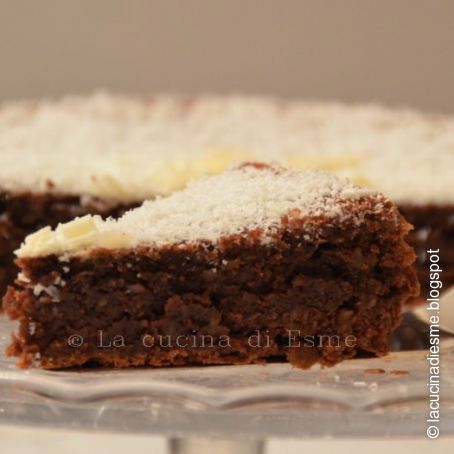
(27, 211)
(254, 264)
(102, 154)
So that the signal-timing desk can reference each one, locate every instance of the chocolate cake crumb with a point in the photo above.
(374, 371)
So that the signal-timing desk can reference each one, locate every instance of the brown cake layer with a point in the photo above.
(433, 229)
(336, 295)
(24, 213)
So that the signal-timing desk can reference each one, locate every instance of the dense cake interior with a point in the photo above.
(308, 256)
(433, 228)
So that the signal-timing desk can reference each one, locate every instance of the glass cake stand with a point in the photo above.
(368, 397)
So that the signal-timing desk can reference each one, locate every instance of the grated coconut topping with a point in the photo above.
(237, 201)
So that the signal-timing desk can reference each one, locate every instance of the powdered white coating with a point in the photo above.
(234, 202)
(123, 148)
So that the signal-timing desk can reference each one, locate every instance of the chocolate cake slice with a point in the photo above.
(253, 264)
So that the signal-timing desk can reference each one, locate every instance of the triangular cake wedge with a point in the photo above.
(253, 264)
